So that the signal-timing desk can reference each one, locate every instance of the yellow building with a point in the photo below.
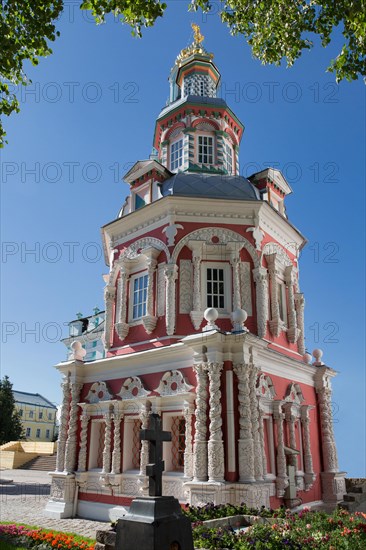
(38, 416)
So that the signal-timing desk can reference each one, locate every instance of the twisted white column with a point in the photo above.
(254, 408)
(260, 275)
(188, 451)
(216, 463)
(116, 454)
(70, 450)
(200, 438)
(107, 444)
(300, 306)
(263, 447)
(245, 443)
(196, 314)
(330, 458)
(275, 322)
(62, 435)
(144, 456)
(83, 440)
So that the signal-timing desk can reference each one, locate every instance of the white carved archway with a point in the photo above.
(274, 248)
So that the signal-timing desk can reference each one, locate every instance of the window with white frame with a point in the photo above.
(216, 286)
(228, 158)
(138, 296)
(176, 155)
(40, 415)
(38, 433)
(47, 434)
(30, 414)
(281, 292)
(28, 432)
(205, 150)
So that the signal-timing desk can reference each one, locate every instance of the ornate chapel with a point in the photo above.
(203, 325)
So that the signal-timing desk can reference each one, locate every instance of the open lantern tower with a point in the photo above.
(193, 246)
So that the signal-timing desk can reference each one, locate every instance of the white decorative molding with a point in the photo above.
(324, 393)
(71, 442)
(261, 285)
(161, 290)
(64, 417)
(173, 383)
(235, 264)
(196, 314)
(224, 236)
(188, 450)
(246, 442)
(292, 332)
(265, 388)
(254, 413)
(85, 417)
(200, 437)
(109, 296)
(282, 477)
(144, 455)
(258, 236)
(310, 476)
(294, 394)
(132, 388)
(98, 392)
(117, 451)
(171, 274)
(121, 326)
(136, 248)
(185, 286)
(215, 448)
(246, 288)
(107, 444)
(300, 306)
(171, 232)
(270, 249)
(150, 320)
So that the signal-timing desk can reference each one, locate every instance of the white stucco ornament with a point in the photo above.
(307, 358)
(318, 354)
(173, 382)
(171, 231)
(239, 316)
(99, 391)
(257, 236)
(78, 351)
(210, 315)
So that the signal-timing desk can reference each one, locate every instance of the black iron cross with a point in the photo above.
(155, 436)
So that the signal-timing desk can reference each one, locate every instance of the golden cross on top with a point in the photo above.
(198, 37)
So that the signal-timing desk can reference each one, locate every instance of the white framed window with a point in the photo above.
(20, 412)
(49, 416)
(138, 296)
(28, 432)
(176, 155)
(40, 415)
(281, 293)
(38, 433)
(205, 150)
(216, 286)
(30, 414)
(47, 434)
(228, 158)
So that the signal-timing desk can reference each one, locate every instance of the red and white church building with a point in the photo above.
(204, 325)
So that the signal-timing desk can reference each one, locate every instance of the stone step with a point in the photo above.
(43, 463)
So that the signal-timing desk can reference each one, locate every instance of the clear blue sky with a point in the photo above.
(92, 114)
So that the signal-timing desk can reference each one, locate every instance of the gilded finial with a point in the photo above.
(198, 37)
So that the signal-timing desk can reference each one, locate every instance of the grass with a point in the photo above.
(6, 546)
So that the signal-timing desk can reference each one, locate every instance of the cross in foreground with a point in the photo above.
(155, 436)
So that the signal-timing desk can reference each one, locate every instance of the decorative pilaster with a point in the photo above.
(196, 314)
(260, 275)
(216, 463)
(122, 327)
(171, 274)
(62, 436)
(275, 322)
(293, 460)
(254, 413)
(144, 457)
(245, 443)
(263, 447)
(200, 438)
(188, 451)
(70, 449)
(308, 458)
(282, 477)
(150, 319)
(292, 331)
(83, 439)
(300, 306)
(235, 264)
(109, 296)
(116, 454)
(107, 444)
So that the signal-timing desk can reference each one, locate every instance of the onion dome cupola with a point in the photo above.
(197, 131)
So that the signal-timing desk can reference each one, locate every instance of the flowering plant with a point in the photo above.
(42, 539)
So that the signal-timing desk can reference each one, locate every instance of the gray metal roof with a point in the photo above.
(210, 186)
(32, 399)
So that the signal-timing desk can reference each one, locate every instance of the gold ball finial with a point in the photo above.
(198, 37)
